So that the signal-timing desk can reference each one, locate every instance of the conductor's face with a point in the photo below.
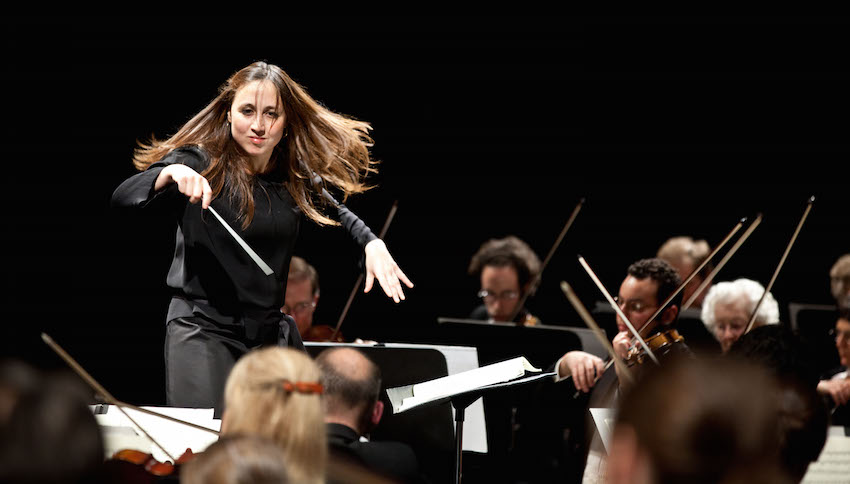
(500, 291)
(257, 121)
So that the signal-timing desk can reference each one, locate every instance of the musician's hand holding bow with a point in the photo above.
(380, 265)
(837, 388)
(584, 368)
(621, 344)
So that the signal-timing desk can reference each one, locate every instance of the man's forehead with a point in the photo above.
(634, 288)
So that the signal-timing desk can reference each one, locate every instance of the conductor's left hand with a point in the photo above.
(380, 265)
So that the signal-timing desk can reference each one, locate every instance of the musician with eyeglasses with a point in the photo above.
(648, 283)
(302, 294)
(506, 268)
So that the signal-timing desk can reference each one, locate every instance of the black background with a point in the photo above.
(485, 126)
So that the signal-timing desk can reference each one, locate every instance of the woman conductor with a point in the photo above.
(245, 170)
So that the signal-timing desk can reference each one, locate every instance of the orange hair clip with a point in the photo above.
(303, 387)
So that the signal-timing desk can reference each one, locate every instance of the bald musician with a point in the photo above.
(352, 384)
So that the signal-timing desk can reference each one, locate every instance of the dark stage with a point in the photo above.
(484, 126)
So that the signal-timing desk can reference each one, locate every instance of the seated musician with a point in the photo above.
(836, 384)
(723, 429)
(352, 384)
(274, 392)
(506, 268)
(237, 459)
(686, 254)
(803, 419)
(648, 283)
(839, 281)
(728, 306)
(48, 434)
(302, 294)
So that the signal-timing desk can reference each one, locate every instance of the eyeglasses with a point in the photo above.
(491, 296)
(839, 334)
(300, 307)
(632, 305)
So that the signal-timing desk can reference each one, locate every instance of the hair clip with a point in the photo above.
(302, 387)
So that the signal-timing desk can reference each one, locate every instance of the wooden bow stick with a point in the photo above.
(781, 262)
(663, 306)
(617, 309)
(100, 390)
(534, 282)
(360, 276)
(597, 331)
(722, 262)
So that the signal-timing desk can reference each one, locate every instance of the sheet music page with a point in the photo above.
(175, 437)
(468, 380)
(833, 465)
(604, 418)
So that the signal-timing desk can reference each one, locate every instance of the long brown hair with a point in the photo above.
(318, 142)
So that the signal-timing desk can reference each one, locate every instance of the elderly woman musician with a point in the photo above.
(728, 306)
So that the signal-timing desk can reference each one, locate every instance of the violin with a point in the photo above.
(131, 465)
(323, 333)
(659, 343)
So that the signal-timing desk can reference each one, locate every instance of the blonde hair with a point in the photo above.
(318, 142)
(257, 403)
(684, 250)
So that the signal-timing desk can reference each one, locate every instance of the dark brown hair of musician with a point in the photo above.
(705, 421)
(662, 273)
(317, 140)
(509, 251)
(237, 459)
(50, 435)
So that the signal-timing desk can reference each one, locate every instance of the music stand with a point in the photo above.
(542, 345)
(460, 401)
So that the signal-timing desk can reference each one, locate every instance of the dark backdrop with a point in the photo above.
(485, 127)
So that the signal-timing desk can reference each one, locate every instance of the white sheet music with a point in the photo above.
(833, 465)
(468, 380)
(119, 433)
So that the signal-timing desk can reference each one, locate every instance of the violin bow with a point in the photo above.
(663, 306)
(781, 262)
(536, 280)
(617, 309)
(722, 262)
(597, 331)
(78, 369)
(360, 276)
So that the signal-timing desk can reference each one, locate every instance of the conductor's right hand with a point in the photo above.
(584, 368)
(189, 182)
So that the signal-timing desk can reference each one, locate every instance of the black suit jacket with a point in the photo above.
(395, 460)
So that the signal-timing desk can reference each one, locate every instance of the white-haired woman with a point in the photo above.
(728, 306)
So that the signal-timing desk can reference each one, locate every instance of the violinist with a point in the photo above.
(836, 384)
(648, 283)
(238, 178)
(506, 268)
(839, 281)
(685, 254)
(302, 295)
(728, 306)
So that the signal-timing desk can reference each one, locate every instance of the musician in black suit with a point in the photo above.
(352, 383)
